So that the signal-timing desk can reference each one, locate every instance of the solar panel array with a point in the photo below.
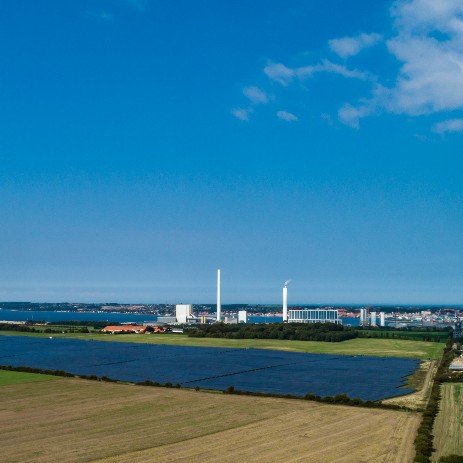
(254, 370)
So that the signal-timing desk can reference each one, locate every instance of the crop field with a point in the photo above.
(14, 377)
(86, 421)
(379, 347)
(448, 427)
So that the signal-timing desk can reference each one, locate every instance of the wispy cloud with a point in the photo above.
(431, 77)
(351, 115)
(287, 116)
(351, 46)
(328, 66)
(451, 125)
(242, 113)
(284, 75)
(429, 45)
(279, 73)
(255, 95)
(426, 40)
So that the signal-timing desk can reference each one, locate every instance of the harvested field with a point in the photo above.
(73, 420)
(448, 427)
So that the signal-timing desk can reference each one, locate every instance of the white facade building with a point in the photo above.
(242, 316)
(373, 318)
(364, 317)
(183, 312)
(314, 316)
(382, 319)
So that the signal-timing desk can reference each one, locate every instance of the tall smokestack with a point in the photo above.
(219, 307)
(285, 300)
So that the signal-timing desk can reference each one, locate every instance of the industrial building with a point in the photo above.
(382, 319)
(364, 314)
(183, 312)
(314, 316)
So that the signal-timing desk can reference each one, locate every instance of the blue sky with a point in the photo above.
(146, 143)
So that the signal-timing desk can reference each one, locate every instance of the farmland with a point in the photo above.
(85, 421)
(13, 377)
(448, 427)
(359, 346)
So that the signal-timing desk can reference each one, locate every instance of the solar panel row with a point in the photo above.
(254, 370)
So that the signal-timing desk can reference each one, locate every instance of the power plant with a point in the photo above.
(285, 300)
(184, 313)
(242, 316)
(368, 318)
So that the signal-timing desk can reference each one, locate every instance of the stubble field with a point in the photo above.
(448, 427)
(74, 420)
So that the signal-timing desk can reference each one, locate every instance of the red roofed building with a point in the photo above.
(127, 329)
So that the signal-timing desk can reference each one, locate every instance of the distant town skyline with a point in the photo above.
(145, 144)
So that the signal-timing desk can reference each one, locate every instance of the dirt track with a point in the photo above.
(73, 420)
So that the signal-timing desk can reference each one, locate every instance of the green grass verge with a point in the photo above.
(414, 335)
(361, 346)
(15, 377)
(448, 426)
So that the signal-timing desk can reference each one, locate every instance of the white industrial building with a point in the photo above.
(242, 316)
(364, 317)
(382, 319)
(183, 312)
(314, 316)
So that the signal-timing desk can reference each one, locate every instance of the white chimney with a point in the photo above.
(285, 300)
(219, 307)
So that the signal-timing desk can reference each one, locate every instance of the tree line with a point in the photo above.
(424, 438)
(326, 332)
